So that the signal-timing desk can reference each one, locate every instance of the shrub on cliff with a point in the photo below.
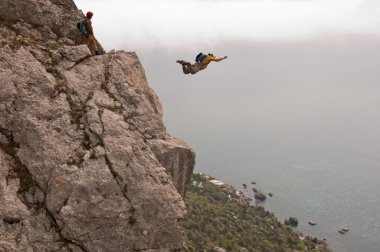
(217, 217)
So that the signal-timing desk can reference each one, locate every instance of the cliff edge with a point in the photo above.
(85, 161)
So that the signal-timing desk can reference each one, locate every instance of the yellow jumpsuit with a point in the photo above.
(196, 67)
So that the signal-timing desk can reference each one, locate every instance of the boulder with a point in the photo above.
(76, 53)
(293, 221)
(260, 196)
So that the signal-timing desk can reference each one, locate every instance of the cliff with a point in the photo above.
(85, 161)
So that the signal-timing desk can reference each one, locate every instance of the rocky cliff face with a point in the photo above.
(85, 161)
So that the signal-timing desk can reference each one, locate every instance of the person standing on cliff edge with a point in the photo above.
(201, 62)
(88, 34)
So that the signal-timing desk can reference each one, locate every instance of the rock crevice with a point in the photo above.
(85, 161)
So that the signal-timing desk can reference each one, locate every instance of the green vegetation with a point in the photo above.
(218, 217)
(51, 70)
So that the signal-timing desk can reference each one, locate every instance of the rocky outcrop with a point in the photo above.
(43, 20)
(175, 156)
(53, 18)
(85, 161)
(260, 196)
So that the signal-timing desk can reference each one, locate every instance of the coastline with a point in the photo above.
(221, 205)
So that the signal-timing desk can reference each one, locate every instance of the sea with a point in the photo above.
(308, 183)
(300, 120)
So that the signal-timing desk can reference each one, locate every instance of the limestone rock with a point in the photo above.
(177, 158)
(85, 161)
(114, 197)
(48, 20)
(54, 17)
(76, 53)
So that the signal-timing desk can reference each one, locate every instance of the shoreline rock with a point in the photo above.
(260, 196)
(343, 231)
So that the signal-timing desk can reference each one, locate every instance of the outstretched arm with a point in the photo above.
(218, 59)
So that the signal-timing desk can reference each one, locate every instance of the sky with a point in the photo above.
(183, 23)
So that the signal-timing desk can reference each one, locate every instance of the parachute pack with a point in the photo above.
(200, 57)
(81, 25)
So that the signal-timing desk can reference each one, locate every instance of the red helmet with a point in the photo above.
(89, 14)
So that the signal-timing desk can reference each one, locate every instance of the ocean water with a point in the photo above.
(302, 120)
(333, 182)
(310, 184)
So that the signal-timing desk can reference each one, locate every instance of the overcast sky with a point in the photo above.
(286, 57)
(185, 22)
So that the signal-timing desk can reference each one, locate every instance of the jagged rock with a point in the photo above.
(66, 41)
(76, 53)
(85, 161)
(55, 18)
(177, 158)
(41, 56)
(22, 29)
(260, 195)
(293, 221)
(49, 20)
